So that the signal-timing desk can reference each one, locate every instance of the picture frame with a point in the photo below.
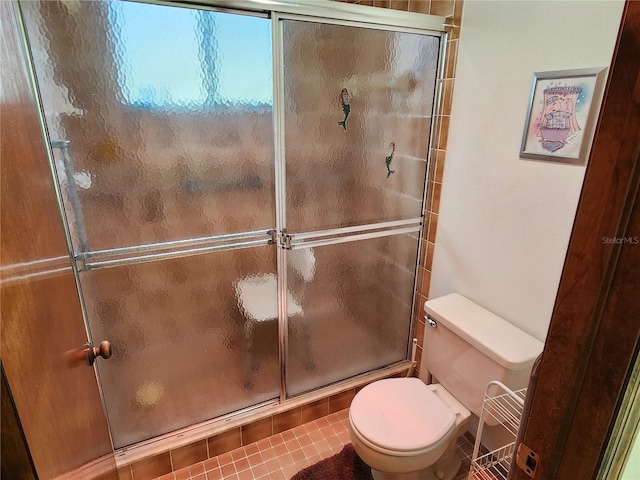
(561, 115)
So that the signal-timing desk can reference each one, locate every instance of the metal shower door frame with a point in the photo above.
(318, 11)
(398, 22)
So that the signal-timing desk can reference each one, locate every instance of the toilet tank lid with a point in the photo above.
(501, 341)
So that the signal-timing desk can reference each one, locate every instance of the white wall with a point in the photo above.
(505, 222)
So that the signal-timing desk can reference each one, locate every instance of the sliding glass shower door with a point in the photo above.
(228, 265)
(160, 123)
(357, 117)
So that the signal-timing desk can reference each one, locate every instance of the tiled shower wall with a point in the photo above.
(170, 461)
(452, 9)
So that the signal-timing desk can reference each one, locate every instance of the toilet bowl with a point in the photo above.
(405, 429)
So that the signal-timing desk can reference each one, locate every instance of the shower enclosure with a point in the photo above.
(243, 195)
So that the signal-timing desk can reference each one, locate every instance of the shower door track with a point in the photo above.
(194, 433)
(324, 10)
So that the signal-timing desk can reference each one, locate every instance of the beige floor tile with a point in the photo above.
(282, 455)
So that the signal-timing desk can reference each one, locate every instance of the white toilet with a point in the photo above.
(405, 429)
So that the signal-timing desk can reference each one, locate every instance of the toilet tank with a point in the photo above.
(471, 346)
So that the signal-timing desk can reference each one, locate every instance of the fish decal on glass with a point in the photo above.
(387, 160)
(345, 101)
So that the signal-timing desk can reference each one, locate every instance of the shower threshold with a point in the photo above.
(195, 433)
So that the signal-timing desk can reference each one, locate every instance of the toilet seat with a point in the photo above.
(401, 416)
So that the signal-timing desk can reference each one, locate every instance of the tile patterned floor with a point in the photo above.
(281, 456)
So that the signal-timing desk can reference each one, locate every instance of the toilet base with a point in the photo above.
(444, 469)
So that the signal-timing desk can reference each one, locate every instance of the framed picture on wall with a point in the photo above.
(562, 114)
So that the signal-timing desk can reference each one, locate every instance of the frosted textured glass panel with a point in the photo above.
(181, 354)
(356, 311)
(358, 107)
(167, 112)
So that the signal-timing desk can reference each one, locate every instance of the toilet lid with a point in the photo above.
(401, 414)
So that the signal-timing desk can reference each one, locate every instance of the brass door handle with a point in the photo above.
(104, 351)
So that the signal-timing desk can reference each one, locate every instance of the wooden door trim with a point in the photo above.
(593, 334)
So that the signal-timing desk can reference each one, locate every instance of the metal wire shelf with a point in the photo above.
(504, 406)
